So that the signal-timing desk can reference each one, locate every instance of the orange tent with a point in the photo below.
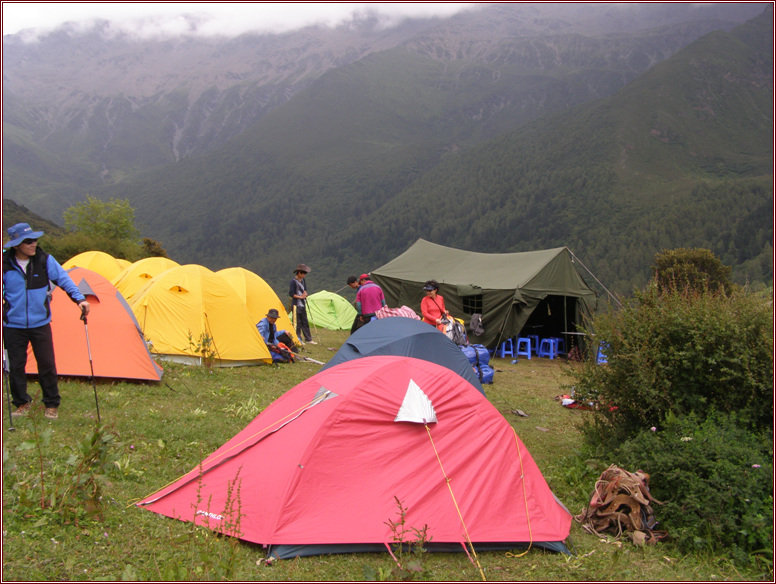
(118, 349)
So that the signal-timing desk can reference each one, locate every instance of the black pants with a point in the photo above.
(302, 326)
(16, 341)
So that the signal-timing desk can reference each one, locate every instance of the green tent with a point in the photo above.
(330, 311)
(538, 293)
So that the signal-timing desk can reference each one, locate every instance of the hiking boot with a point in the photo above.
(51, 413)
(22, 410)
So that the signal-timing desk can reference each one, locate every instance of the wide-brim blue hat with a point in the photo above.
(19, 233)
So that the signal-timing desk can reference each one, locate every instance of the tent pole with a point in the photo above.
(619, 304)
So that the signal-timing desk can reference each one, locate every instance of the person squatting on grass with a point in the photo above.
(279, 342)
(27, 270)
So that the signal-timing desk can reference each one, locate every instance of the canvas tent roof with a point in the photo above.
(258, 296)
(185, 305)
(97, 261)
(116, 342)
(505, 288)
(405, 337)
(320, 469)
(330, 311)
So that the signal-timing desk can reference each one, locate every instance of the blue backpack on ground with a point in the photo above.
(479, 356)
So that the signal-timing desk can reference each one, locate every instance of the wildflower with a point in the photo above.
(755, 466)
(686, 438)
(653, 429)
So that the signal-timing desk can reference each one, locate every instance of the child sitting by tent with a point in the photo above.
(276, 339)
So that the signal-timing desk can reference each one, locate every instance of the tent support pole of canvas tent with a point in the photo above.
(612, 296)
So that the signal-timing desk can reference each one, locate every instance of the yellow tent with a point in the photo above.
(190, 313)
(97, 261)
(258, 296)
(135, 276)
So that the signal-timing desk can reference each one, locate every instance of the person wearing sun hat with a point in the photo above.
(27, 271)
(276, 340)
(297, 290)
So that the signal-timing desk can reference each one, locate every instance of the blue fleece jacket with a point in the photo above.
(26, 294)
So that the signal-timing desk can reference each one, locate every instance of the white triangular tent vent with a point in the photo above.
(322, 395)
(416, 407)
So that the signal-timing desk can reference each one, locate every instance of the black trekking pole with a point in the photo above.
(89, 348)
(8, 391)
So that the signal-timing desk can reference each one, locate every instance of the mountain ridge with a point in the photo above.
(347, 172)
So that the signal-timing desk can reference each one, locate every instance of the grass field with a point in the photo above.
(164, 430)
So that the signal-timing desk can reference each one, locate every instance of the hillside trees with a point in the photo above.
(108, 226)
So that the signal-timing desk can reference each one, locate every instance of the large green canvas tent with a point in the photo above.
(527, 293)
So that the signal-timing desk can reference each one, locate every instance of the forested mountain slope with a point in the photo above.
(468, 132)
(83, 109)
(680, 157)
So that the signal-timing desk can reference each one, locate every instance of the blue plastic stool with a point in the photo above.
(548, 348)
(560, 344)
(601, 358)
(523, 347)
(534, 343)
(506, 348)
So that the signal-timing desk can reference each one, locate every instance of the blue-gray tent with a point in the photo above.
(406, 337)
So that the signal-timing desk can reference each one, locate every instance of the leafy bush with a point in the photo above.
(716, 480)
(681, 353)
(691, 269)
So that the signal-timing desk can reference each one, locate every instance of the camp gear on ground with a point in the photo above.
(404, 311)
(621, 505)
(479, 357)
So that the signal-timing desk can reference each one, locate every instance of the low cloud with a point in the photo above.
(153, 19)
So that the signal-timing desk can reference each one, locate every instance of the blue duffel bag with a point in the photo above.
(484, 373)
(476, 354)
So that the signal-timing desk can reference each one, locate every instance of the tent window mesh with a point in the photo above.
(472, 304)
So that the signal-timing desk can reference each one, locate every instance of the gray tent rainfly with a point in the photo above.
(526, 293)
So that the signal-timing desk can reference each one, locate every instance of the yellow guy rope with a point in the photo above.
(525, 501)
(457, 508)
(311, 403)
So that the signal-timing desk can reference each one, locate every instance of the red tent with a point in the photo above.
(118, 349)
(318, 471)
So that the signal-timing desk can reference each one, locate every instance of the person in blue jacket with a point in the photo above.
(27, 271)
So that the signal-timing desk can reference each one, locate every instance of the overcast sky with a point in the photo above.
(204, 17)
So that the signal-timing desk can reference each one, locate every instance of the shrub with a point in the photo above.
(681, 353)
(715, 479)
(690, 269)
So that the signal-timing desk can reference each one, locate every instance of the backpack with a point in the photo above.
(620, 505)
(456, 332)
